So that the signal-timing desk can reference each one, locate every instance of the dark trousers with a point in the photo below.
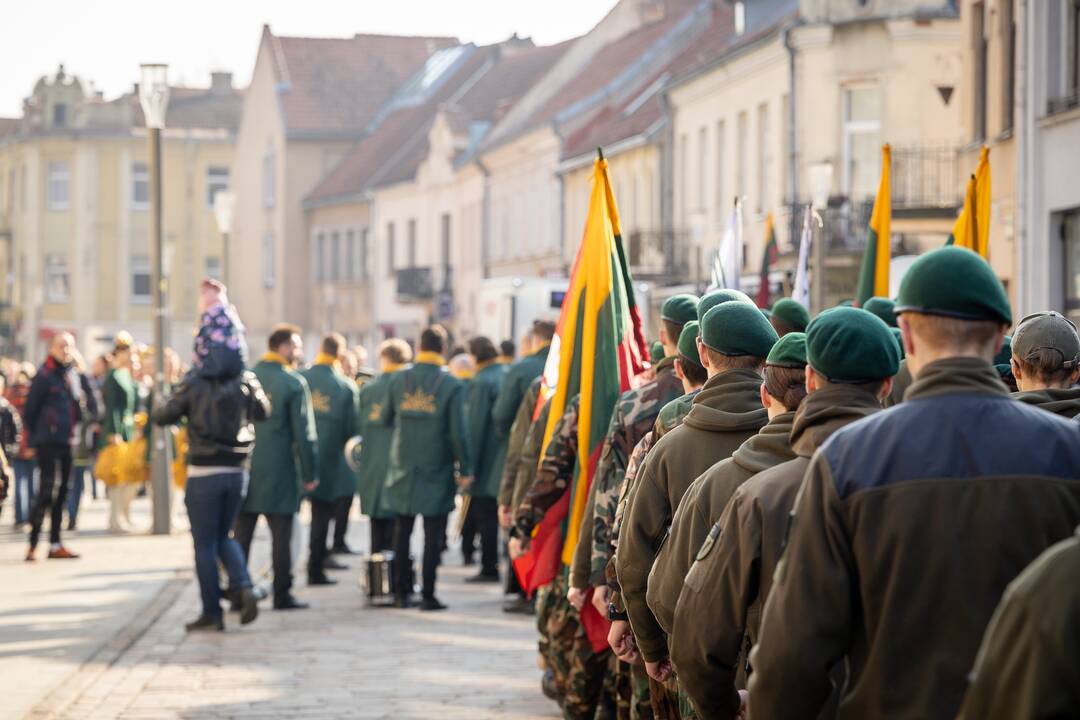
(434, 536)
(79, 475)
(54, 463)
(484, 516)
(342, 507)
(213, 502)
(382, 534)
(280, 539)
(24, 471)
(322, 512)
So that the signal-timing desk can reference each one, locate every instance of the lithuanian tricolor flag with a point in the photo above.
(874, 275)
(767, 261)
(972, 228)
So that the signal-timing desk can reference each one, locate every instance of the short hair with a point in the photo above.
(1045, 366)
(433, 338)
(396, 351)
(871, 386)
(672, 329)
(721, 361)
(694, 373)
(543, 330)
(786, 384)
(507, 348)
(281, 334)
(334, 344)
(953, 334)
(481, 348)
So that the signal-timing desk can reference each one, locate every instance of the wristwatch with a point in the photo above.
(614, 613)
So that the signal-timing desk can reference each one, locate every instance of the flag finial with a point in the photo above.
(600, 153)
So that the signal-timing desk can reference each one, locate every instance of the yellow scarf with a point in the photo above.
(389, 367)
(275, 357)
(487, 364)
(326, 359)
(430, 358)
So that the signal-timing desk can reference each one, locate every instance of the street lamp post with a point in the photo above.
(820, 187)
(154, 98)
(224, 205)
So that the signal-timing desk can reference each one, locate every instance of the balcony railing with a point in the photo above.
(926, 177)
(658, 254)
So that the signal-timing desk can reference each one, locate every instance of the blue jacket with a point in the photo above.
(52, 409)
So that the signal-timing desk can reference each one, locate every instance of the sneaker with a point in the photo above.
(61, 553)
(206, 624)
(484, 577)
(249, 607)
(431, 605)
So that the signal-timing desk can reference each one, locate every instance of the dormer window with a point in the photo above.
(59, 115)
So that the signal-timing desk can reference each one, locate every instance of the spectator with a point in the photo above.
(85, 438)
(120, 396)
(23, 465)
(10, 436)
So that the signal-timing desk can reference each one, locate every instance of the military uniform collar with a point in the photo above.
(957, 376)
(326, 359)
(427, 357)
(274, 357)
(825, 411)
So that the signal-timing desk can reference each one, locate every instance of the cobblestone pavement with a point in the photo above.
(338, 659)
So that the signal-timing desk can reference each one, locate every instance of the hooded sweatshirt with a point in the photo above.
(728, 583)
(725, 414)
(1060, 401)
(701, 507)
(907, 529)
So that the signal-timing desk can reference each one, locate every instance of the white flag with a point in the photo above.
(801, 292)
(727, 265)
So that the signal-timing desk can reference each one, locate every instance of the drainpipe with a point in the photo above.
(793, 166)
(1023, 150)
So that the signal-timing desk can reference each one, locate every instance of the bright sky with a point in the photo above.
(104, 41)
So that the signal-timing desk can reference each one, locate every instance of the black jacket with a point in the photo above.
(219, 413)
(11, 429)
(52, 407)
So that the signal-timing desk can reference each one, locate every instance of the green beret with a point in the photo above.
(789, 351)
(766, 312)
(1004, 355)
(851, 345)
(954, 282)
(791, 313)
(716, 297)
(656, 353)
(688, 341)
(679, 309)
(899, 340)
(883, 308)
(738, 328)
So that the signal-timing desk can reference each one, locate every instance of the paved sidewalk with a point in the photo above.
(338, 659)
(57, 615)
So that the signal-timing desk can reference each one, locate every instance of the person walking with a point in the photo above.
(426, 407)
(220, 411)
(334, 402)
(1046, 363)
(85, 439)
(23, 465)
(284, 462)
(120, 397)
(10, 436)
(51, 415)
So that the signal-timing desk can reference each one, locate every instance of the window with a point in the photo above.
(741, 141)
(57, 278)
(59, 114)
(269, 261)
(140, 187)
(11, 190)
(1063, 55)
(362, 259)
(1008, 52)
(740, 17)
(978, 80)
(333, 259)
(862, 142)
(1069, 223)
(445, 224)
(720, 130)
(57, 194)
(318, 263)
(140, 280)
(350, 256)
(391, 241)
(763, 158)
(269, 181)
(217, 180)
(684, 178)
(212, 268)
(411, 247)
(701, 159)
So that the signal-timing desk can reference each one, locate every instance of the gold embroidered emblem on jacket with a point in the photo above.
(419, 401)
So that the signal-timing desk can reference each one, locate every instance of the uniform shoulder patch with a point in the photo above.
(710, 542)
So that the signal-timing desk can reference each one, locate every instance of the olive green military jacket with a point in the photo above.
(516, 444)
(518, 378)
(426, 406)
(702, 506)
(334, 402)
(530, 457)
(286, 446)
(1029, 663)
(1060, 401)
(119, 396)
(721, 599)
(555, 473)
(724, 415)
(486, 448)
(374, 464)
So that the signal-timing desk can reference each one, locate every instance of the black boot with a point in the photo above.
(206, 624)
(248, 606)
(431, 604)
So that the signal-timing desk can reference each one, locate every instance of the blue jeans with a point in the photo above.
(213, 502)
(25, 471)
(79, 473)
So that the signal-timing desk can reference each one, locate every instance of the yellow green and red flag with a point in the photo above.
(767, 261)
(972, 228)
(874, 274)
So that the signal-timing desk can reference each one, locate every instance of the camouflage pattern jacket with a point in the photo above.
(515, 446)
(554, 474)
(635, 415)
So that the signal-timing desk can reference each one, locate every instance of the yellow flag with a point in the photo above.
(972, 228)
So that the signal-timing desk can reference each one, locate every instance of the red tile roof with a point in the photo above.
(335, 86)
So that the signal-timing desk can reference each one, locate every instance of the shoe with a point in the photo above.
(519, 606)
(483, 577)
(402, 602)
(290, 603)
(342, 550)
(320, 579)
(30, 557)
(331, 564)
(547, 686)
(62, 553)
(468, 561)
(431, 605)
(205, 623)
(249, 606)
(71, 526)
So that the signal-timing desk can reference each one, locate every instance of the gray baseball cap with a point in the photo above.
(1047, 330)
